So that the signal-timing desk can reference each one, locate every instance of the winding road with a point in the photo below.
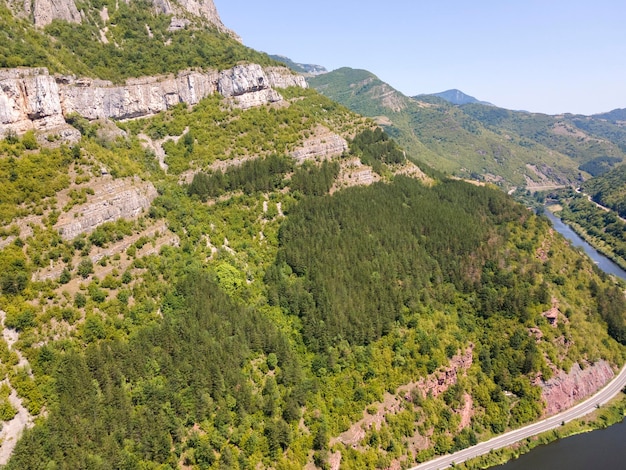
(601, 397)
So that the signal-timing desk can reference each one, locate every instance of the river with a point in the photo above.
(598, 449)
(604, 263)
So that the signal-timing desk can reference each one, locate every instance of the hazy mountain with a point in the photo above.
(304, 69)
(617, 115)
(455, 96)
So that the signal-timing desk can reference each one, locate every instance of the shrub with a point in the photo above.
(85, 268)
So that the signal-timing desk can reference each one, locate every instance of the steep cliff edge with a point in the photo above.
(29, 99)
(43, 12)
(33, 99)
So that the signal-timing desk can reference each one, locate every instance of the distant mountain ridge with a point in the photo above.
(457, 97)
(310, 70)
(454, 132)
(616, 115)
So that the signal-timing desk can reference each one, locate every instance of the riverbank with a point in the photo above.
(608, 415)
(595, 419)
(599, 245)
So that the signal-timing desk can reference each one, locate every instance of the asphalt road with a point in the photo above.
(577, 411)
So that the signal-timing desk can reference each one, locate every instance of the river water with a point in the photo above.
(593, 450)
(604, 263)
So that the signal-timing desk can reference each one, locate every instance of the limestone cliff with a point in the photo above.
(97, 99)
(29, 99)
(43, 12)
(113, 199)
(204, 9)
(32, 99)
(322, 145)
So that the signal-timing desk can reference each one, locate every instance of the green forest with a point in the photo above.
(361, 292)
(139, 43)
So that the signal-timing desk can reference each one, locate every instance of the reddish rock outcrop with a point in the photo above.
(438, 382)
(564, 390)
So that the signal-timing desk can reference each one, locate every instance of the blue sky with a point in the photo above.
(549, 56)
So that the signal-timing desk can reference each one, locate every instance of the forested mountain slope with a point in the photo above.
(476, 140)
(596, 211)
(272, 286)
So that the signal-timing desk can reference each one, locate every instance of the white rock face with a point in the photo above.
(115, 199)
(242, 79)
(44, 11)
(96, 99)
(246, 86)
(32, 99)
(280, 77)
(204, 9)
(162, 6)
(322, 145)
(29, 99)
(255, 98)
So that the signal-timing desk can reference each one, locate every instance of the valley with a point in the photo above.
(206, 263)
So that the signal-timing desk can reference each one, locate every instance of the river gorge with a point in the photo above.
(598, 449)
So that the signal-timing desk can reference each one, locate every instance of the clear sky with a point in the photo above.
(549, 56)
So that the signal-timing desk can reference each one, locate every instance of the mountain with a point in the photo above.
(206, 264)
(308, 70)
(479, 141)
(615, 116)
(457, 97)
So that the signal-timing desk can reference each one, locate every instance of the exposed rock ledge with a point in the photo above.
(113, 199)
(323, 144)
(43, 12)
(564, 390)
(32, 99)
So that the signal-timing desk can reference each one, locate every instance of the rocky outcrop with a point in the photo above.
(246, 86)
(565, 389)
(435, 384)
(44, 11)
(32, 99)
(280, 77)
(29, 99)
(97, 99)
(113, 200)
(354, 173)
(438, 382)
(322, 145)
(205, 9)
